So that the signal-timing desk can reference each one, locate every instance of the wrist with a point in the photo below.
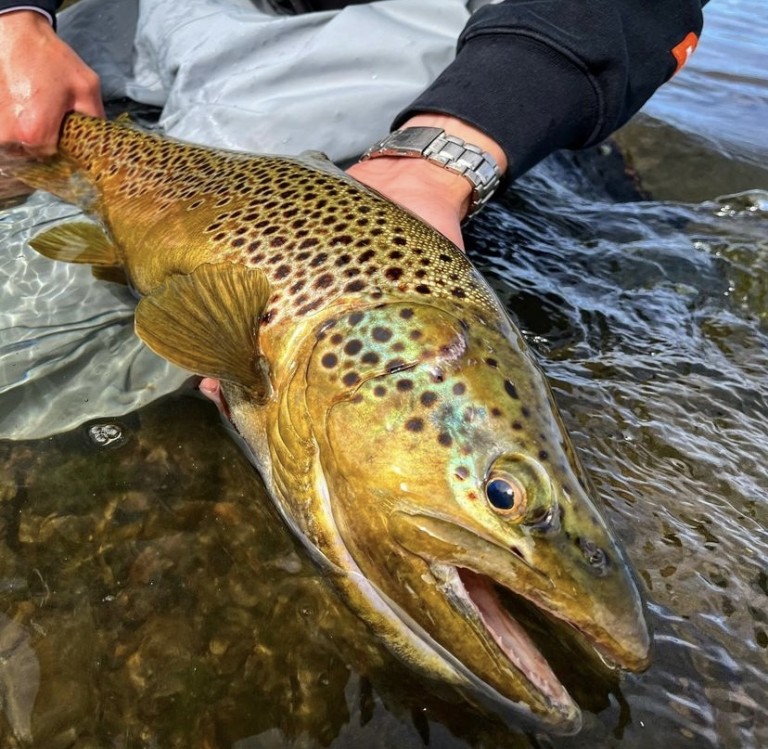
(448, 159)
(19, 21)
(398, 179)
(461, 129)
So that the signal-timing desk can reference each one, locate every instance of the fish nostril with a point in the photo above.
(595, 556)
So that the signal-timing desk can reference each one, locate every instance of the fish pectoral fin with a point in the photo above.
(112, 273)
(77, 242)
(207, 322)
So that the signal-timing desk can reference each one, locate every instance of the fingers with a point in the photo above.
(41, 80)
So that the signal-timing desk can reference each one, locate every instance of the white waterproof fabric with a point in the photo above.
(229, 74)
(232, 75)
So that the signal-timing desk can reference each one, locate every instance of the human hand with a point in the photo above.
(436, 195)
(41, 79)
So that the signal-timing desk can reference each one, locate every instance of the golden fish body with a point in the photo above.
(401, 426)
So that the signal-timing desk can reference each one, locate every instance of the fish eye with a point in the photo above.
(506, 496)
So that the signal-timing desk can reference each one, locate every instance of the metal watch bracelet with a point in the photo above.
(448, 151)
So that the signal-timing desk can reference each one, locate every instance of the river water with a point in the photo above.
(151, 599)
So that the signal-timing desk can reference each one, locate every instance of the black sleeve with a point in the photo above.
(49, 7)
(539, 76)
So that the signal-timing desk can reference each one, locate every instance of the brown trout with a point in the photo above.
(402, 428)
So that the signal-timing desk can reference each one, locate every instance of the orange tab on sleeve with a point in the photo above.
(684, 50)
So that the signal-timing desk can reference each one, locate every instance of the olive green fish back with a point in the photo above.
(315, 233)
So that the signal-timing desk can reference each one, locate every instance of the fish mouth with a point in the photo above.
(502, 594)
(516, 644)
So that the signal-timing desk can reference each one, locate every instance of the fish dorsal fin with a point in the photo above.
(207, 322)
(77, 242)
(319, 160)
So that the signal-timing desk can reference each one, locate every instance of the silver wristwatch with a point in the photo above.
(450, 152)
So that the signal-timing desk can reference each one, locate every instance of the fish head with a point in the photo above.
(449, 475)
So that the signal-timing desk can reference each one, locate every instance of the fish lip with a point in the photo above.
(631, 661)
(514, 642)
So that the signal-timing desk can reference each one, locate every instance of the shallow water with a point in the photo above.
(151, 598)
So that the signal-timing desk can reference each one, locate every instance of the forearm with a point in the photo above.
(536, 77)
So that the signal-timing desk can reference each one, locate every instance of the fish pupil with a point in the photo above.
(501, 494)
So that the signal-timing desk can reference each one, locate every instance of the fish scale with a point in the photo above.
(325, 238)
(401, 427)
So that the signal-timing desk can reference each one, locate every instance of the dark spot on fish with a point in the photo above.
(266, 318)
(525, 411)
(358, 398)
(406, 313)
(414, 425)
(337, 338)
(308, 242)
(415, 335)
(510, 389)
(343, 239)
(458, 292)
(495, 411)
(343, 259)
(350, 379)
(364, 257)
(404, 385)
(399, 241)
(309, 307)
(353, 286)
(318, 259)
(324, 281)
(428, 398)
(445, 258)
(381, 334)
(517, 426)
(355, 318)
(421, 273)
(277, 241)
(282, 271)
(353, 347)
(459, 388)
(543, 454)
(422, 288)
(395, 365)
(395, 254)
(379, 391)
(393, 274)
(491, 362)
(446, 440)
(329, 361)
